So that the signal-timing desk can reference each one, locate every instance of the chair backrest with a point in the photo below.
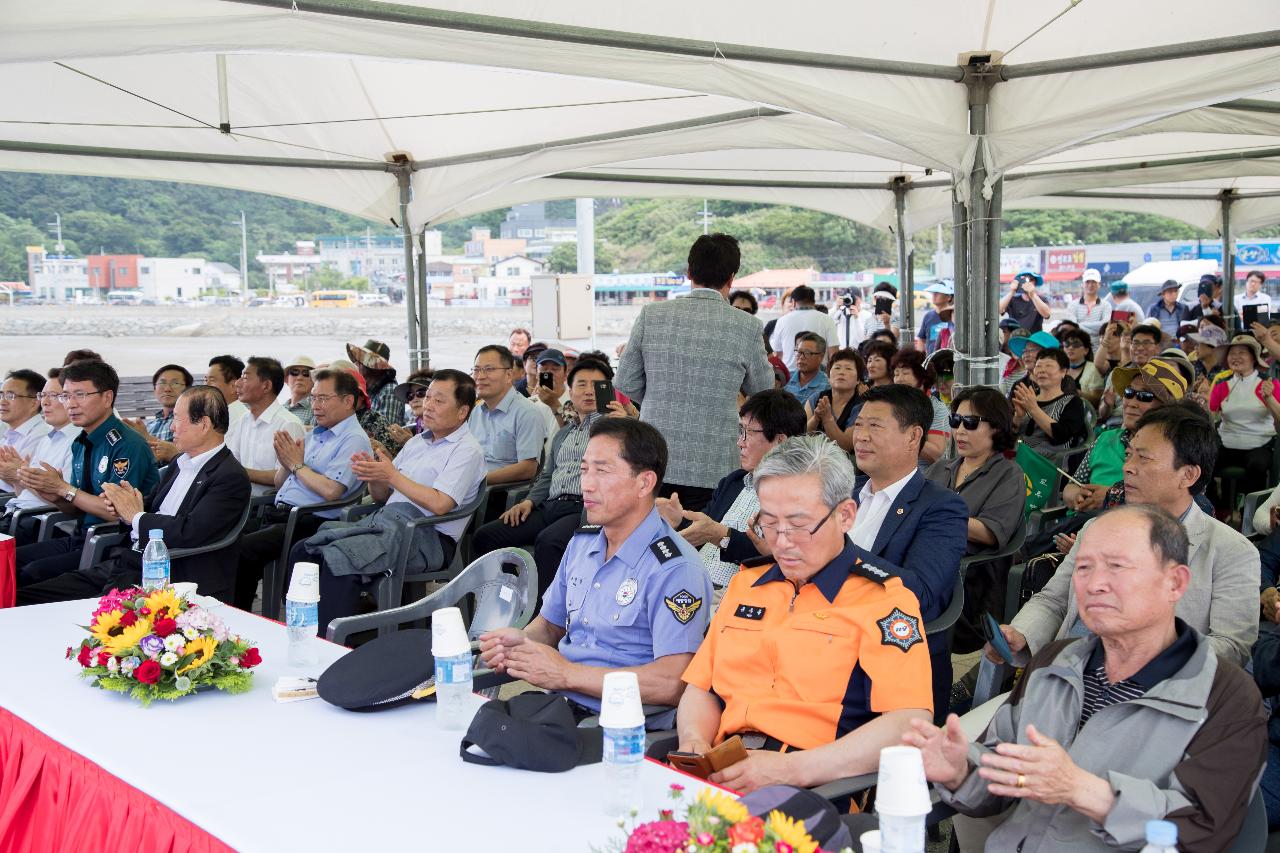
(1253, 832)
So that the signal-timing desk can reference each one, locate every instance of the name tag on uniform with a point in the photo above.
(748, 611)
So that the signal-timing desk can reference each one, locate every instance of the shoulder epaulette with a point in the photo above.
(665, 549)
(756, 562)
(587, 528)
(863, 569)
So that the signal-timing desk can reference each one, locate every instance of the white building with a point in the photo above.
(166, 279)
(517, 266)
(220, 276)
(57, 277)
(379, 258)
(286, 272)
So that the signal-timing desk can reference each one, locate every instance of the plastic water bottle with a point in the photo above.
(902, 833)
(623, 756)
(453, 686)
(155, 561)
(1162, 837)
(302, 614)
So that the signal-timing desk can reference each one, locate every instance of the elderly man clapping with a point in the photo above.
(1141, 721)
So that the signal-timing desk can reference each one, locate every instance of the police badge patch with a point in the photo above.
(683, 606)
(120, 468)
(627, 592)
(102, 465)
(899, 629)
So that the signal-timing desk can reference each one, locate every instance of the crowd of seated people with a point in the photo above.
(783, 588)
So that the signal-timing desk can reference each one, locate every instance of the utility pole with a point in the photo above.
(244, 260)
(707, 216)
(56, 227)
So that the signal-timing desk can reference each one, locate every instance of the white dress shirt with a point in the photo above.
(235, 412)
(252, 440)
(872, 509)
(24, 439)
(54, 448)
(188, 468)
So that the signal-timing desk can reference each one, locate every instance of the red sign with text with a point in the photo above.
(1064, 264)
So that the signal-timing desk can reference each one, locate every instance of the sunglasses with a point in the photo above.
(299, 371)
(416, 394)
(969, 421)
(1132, 393)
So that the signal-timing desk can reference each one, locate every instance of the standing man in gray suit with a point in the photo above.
(685, 363)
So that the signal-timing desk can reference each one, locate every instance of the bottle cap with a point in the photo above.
(1162, 832)
(155, 533)
(448, 634)
(620, 706)
(304, 585)
(901, 789)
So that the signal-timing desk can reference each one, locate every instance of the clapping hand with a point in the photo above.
(495, 646)
(164, 451)
(46, 481)
(10, 462)
(125, 501)
(702, 529)
(375, 467)
(137, 425)
(822, 409)
(1025, 398)
(1261, 332)
(945, 750)
(288, 450)
(670, 510)
(1040, 770)
(400, 433)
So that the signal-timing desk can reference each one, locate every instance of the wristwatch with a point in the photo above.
(724, 543)
(70, 496)
(296, 468)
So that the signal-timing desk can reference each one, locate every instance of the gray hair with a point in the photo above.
(1166, 535)
(813, 338)
(811, 454)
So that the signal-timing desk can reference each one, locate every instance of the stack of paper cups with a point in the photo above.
(304, 585)
(902, 800)
(870, 841)
(448, 634)
(620, 706)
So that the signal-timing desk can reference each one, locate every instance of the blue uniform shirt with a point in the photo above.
(510, 432)
(650, 600)
(115, 454)
(328, 452)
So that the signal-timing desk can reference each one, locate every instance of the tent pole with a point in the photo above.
(1228, 261)
(982, 273)
(424, 330)
(1156, 53)
(410, 301)
(989, 331)
(906, 314)
(960, 275)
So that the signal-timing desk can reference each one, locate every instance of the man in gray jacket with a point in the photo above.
(685, 363)
(1142, 721)
(1170, 458)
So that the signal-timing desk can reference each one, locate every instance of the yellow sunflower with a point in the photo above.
(163, 597)
(128, 638)
(727, 807)
(202, 648)
(107, 623)
(790, 831)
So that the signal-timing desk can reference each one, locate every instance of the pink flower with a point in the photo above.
(706, 839)
(662, 836)
(783, 847)
(676, 786)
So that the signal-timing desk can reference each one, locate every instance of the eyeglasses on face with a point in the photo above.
(304, 372)
(322, 399)
(480, 370)
(1132, 393)
(807, 353)
(798, 535)
(14, 395)
(745, 432)
(78, 396)
(171, 383)
(969, 422)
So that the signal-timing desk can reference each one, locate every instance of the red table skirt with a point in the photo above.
(54, 799)
(8, 572)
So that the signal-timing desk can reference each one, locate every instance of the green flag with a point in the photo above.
(1040, 474)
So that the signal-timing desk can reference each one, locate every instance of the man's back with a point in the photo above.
(801, 320)
(685, 362)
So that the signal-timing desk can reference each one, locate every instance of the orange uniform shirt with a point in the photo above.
(810, 666)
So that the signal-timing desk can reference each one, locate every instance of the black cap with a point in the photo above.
(532, 731)
(383, 673)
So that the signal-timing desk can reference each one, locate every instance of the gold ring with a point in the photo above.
(1022, 780)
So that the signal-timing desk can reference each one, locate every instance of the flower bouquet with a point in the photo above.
(158, 645)
(716, 823)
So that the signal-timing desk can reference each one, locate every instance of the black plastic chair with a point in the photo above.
(273, 573)
(101, 537)
(28, 512)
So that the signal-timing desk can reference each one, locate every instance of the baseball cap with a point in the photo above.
(554, 355)
(1119, 287)
(1165, 374)
(531, 731)
(1092, 275)
(780, 370)
(1010, 323)
(1210, 335)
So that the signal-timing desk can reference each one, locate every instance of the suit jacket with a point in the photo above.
(1221, 602)
(922, 540)
(741, 548)
(211, 507)
(685, 362)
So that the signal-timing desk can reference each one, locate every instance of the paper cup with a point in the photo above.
(448, 634)
(620, 706)
(901, 789)
(304, 585)
(185, 588)
(870, 841)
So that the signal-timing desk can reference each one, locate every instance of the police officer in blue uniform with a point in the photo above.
(630, 593)
(107, 451)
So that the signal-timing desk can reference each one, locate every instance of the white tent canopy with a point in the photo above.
(420, 113)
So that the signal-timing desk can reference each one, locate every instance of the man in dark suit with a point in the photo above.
(198, 501)
(908, 525)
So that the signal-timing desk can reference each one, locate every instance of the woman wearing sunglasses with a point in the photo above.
(1047, 416)
(992, 487)
(411, 393)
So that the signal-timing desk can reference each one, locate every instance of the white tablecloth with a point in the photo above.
(303, 776)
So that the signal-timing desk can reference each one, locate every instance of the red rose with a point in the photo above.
(103, 657)
(164, 627)
(148, 672)
(128, 619)
(250, 658)
(85, 658)
(749, 831)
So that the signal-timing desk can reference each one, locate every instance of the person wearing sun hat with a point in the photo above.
(373, 360)
(1026, 350)
(1167, 310)
(1123, 308)
(297, 378)
(1024, 303)
(411, 393)
(1248, 406)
